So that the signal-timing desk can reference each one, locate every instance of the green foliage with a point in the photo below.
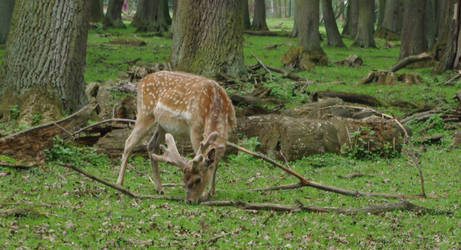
(14, 112)
(66, 152)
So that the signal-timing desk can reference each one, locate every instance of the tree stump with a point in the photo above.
(297, 58)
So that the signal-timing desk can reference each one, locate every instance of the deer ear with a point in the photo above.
(211, 157)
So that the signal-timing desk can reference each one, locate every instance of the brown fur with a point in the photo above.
(182, 104)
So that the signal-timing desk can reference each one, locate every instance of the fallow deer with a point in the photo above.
(184, 105)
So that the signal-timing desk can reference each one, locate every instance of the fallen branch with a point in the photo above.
(409, 60)
(19, 211)
(287, 74)
(354, 175)
(102, 122)
(263, 65)
(452, 80)
(306, 182)
(400, 205)
(16, 166)
(267, 33)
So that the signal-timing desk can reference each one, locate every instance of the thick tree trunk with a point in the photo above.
(246, 15)
(151, 15)
(96, 11)
(48, 79)
(208, 37)
(352, 19)
(296, 16)
(333, 36)
(259, 17)
(413, 40)
(381, 8)
(449, 44)
(308, 53)
(364, 36)
(113, 16)
(430, 24)
(390, 28)
(6, 9)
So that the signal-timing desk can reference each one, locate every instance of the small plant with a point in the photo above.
(14, 112)
(36, 119)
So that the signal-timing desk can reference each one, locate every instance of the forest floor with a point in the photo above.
(63, 209)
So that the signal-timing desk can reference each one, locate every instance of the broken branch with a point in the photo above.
(409, 60)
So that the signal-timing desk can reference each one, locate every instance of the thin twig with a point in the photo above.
(16, 166)
(263, 65)
(102, 122)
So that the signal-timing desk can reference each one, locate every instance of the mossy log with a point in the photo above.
(298, 58)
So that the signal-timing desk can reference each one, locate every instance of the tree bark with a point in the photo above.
(208, 37)
(6, 9)
(96, 11)
(246, 15)
(391, 24)
(413, 40)
(152, 15)
(430, 24)
(333, 36)
(43, 66)
(352, 19)
(259, 17)
(296, 16)
(381, 8)
(113, 16)
(364, 36)
(448, 45)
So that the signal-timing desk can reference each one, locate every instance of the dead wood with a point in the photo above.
(421, 116)
(287, 74)
(452, 81)
(306, 182)
(103, 122)
(409, 60)
(3, 174)
(229, 78)
(374, 209)
(16, 166)
(458, 96)
(263, 65)
(348, 97)
(127, 87)
(28, 145)
(430, 139)
(351, 61)
(273, 45)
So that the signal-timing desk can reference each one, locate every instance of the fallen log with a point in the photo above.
(409, 60)
(348, 97)
(29, 145)
(452, 80)
(351, 61)
(16, 166)
(267, 33)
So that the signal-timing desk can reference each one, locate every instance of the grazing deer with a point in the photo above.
(184, 105)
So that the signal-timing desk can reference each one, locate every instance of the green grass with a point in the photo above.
(83, 214)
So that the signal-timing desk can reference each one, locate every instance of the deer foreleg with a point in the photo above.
(154, 148)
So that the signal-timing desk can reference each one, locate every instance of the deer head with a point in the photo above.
(198, 170)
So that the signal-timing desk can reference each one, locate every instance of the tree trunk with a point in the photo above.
(152, 15)
(449, 44)
(352, 19)
(113, 16)
(246, 15)
(381, 7)
(296, 16)
(96, 11)
(259, 17)
(6, 9)
(48, 79)
(308, 53)
(390, 28)
(364, 36)
(208, 37)
(413, 40)
(430, 24)
(333, 36)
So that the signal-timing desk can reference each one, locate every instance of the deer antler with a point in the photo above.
(207, 142)
(170, 153)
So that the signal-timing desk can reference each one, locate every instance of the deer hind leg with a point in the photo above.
(154, 148)
(139, 132)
